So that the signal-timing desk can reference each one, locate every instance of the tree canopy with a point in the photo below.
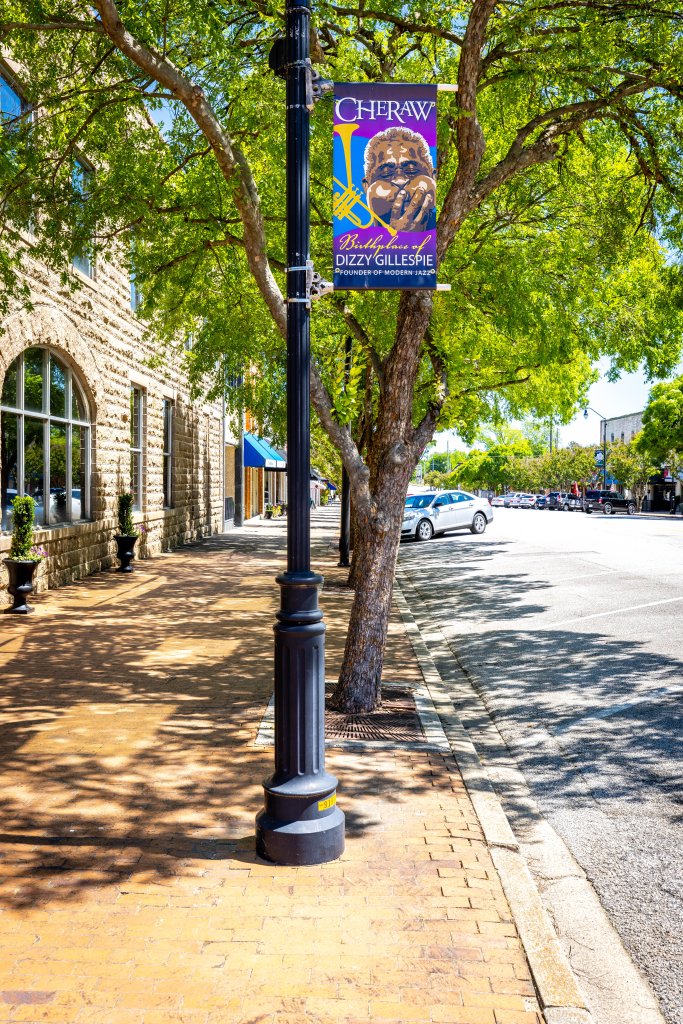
(662, 433)
(559, 227)
(570, 148)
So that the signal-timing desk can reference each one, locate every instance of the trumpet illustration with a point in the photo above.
(345, 203)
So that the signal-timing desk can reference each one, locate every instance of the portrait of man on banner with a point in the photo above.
(399, 182)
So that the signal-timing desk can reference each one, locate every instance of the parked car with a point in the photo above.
(437, 511)
(565, 501)
(526, 501)
(509, 498)
(498, 501)
(608, 502)
(541, 501)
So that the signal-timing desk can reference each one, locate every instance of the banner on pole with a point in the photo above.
(384, 207)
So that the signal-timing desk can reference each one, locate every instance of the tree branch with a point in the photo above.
(52, 26)
(231, 161)
(470, 143)
(360, 334)
(341, 437)
(401, 23)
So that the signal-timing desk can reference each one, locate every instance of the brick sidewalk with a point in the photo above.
(129, 887)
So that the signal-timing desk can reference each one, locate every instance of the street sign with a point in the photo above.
(599, 457)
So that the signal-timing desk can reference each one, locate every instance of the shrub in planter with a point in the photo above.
(23, 555)
(268, 511)
(127, 535)
(324, 497)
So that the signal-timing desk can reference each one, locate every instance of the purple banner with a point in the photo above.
(384, 207)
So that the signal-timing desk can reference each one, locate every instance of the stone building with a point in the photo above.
(664, 491)
(621, 428)
(83, 418)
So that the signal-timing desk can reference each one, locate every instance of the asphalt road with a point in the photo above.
(573, 625)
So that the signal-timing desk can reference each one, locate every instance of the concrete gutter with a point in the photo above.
(544, 884)
(558, 991)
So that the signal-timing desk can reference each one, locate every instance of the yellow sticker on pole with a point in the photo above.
(330, 802)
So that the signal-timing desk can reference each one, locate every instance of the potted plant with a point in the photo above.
(268, 513)
(127, 535)
(23, 555)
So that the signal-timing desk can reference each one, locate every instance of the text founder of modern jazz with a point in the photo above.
(399, 182)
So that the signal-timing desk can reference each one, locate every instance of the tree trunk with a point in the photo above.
(359, 688)
(354, 555)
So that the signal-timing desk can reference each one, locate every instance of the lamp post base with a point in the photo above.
(300, 822)
(294, 830)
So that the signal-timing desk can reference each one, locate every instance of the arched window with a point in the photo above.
(44, 439)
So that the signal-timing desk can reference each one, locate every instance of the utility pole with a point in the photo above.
(300, 822)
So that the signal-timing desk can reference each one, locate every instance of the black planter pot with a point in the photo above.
(125, 551)
(20, 585)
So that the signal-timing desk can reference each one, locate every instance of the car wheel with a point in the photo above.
(607, 508)
(424, 531)
(478, 523)
(565, 508)
(631, 508)
(588, 511)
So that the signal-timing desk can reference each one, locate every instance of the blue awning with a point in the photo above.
(331, 486)
(259, 455)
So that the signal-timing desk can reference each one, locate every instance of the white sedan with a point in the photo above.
(437, 511)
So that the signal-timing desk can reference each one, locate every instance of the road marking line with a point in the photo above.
(615, 709)
(614, 611)
(541, 735)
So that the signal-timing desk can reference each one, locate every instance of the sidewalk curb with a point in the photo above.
(558, 991)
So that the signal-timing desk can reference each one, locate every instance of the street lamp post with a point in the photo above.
(603, 428)
(300, 822)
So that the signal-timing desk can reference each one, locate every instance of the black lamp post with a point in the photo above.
(300, 822)
(603, 427)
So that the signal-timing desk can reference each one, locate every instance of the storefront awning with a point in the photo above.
(259, 455)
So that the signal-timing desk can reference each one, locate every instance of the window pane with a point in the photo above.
(9, 386)
(82, 181)
(33, 379)
(57, 388)
(77, 403)
(167, 454)
(8, 457)
(57, 506)
(79, 440)
(168, 416)
(135, 417)
(135, 479)
(135, 294)
(167, 482)
(11, 105)
(83, 263)
(34, 464)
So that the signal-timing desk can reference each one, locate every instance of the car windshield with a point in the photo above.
(419, 500)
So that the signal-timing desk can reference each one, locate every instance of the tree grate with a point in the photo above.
(396, 720)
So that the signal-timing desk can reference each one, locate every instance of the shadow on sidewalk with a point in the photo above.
(129, 707)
